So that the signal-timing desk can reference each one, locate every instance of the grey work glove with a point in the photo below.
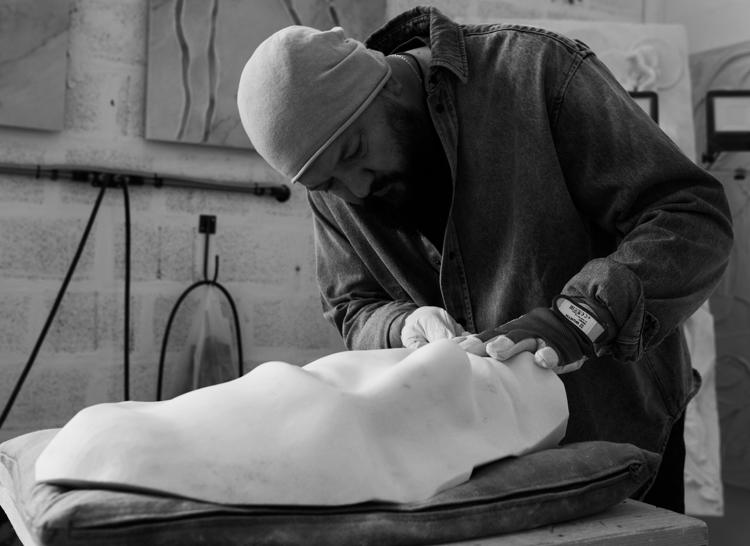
(427, 324)
(561, 337)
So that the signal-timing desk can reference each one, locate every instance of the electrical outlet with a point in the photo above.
(207, 224)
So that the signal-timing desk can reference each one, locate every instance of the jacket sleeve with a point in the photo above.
(353, 300)
(668, 218)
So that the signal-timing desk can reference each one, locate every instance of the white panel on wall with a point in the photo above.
(710, 24)
(33, 63)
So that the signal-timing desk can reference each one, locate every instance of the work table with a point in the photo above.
(629, 523)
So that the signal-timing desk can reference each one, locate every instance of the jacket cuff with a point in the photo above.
(394, 331)
(612, 289)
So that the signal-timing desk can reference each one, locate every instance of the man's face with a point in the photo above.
(379, 163)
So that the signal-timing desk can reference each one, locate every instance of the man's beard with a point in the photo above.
(400, 193)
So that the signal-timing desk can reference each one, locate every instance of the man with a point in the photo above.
(497, 179)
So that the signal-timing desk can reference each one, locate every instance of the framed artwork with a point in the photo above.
(197, 49)
(33, 63)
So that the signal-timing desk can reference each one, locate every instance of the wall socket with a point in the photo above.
(207, 224)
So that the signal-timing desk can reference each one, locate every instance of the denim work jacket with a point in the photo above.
(561, 184)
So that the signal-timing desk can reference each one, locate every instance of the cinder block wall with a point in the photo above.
(265, 246)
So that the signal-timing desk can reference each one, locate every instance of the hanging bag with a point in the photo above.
(210, 353)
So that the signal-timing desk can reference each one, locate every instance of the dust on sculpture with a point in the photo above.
(393, 425)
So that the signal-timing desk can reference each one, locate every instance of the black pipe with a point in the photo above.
(113, 178)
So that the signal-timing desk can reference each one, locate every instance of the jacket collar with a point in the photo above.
(444, 37)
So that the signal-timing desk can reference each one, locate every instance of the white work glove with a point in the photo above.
(427, 324)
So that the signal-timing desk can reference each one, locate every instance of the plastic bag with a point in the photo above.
(210, 353)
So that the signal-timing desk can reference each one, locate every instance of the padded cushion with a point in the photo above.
(516, 493)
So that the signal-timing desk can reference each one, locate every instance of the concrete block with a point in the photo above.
(311, 329)
(269, 254)
(295, 323)
(49, 397)
(106, 379)
(176, 254)
(196, 202)
(106, 382)
(143, 378)
(114, 31)
(268, 323)
(129, 105)
(21, 189)
(22, 147)
(91, 101)
(83, 95)
(292, 355)
(10, 370)
(110, 321)
(308, 271)
(74, 328)
(114, 154)
(14, 322)
(236, 202)
(35, 247)
(144, 252)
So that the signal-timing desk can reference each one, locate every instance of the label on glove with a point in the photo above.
(580, 318)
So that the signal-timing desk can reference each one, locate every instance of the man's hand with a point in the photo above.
(560, 337)
(428, 324)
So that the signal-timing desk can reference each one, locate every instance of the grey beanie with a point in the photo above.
(302, 88)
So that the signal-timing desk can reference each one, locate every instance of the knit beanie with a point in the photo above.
(301, 88)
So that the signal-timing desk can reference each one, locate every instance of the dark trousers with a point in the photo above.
(668, 489)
